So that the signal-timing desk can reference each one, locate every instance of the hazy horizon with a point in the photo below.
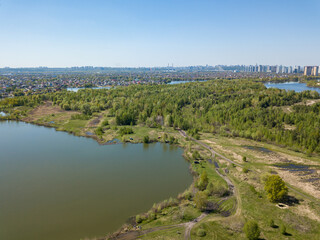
(140, 33)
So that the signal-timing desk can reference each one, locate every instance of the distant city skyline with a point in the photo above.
(144, 33)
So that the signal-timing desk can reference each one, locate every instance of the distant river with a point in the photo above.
(296, 86)
(54, 185)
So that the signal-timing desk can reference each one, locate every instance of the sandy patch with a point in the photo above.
(45, 110)
(298, 181)
(304, 210)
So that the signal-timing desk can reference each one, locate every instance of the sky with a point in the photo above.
(137, 33)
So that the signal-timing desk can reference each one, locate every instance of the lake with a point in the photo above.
(77, 89)
(295, 86)
(54, 185)
(186, 81)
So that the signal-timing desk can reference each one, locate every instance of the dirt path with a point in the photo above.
(232, 189)
(190, 225)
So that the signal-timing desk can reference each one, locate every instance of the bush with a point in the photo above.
(244, 158)
(251, 229)
(276, 188)
(203, 181)
(271, 223)
(201, 232)
(139, 219)
(125, 130)
(200, 199)
(283, 229)
(196, 155)
(99, 131)
(105, 123)
(146, 139)
(245, 170)
(216, 189)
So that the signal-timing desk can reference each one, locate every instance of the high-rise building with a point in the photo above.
(308, 70)
(314, 71)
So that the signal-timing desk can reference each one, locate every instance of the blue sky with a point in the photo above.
(121, 33)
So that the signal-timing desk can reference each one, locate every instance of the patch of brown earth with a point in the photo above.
(301, 182)
(45, 110)
(95, 122)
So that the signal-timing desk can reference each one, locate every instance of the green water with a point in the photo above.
(56, 186)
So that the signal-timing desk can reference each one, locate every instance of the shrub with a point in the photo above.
(276, 188)
(245, 170)
(125, 130)
(271, 223)
(200, 199)
(201, 232)
(146, 139)
(139, 219)
(244, 158)
(105, 123)
(251, 229)
(203, 181)
(99, 131)
(283, 229)
(196, 155)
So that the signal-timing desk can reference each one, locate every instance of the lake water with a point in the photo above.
(187, 81)
(77, 89)
(54, 185)
(296, 86)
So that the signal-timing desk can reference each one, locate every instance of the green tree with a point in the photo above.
(251, 229)
(200, 199)
(203, 181)
(276, 188)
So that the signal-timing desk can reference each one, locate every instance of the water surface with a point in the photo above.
(186, 81)
(54, 185)
(77, 89)
(295, 86)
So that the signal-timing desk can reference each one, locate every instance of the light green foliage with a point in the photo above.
(276, 188)
(139, 219)
(242, 108)
(200, 199)
(203, 181)
(251, 229)
(125, 130)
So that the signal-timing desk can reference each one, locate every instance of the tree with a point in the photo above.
(251, 229)
(203, 181)
(200, 199)
(276, 188)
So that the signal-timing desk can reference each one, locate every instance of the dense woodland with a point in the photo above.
(243, 108)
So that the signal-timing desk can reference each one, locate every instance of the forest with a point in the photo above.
(234, 108)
